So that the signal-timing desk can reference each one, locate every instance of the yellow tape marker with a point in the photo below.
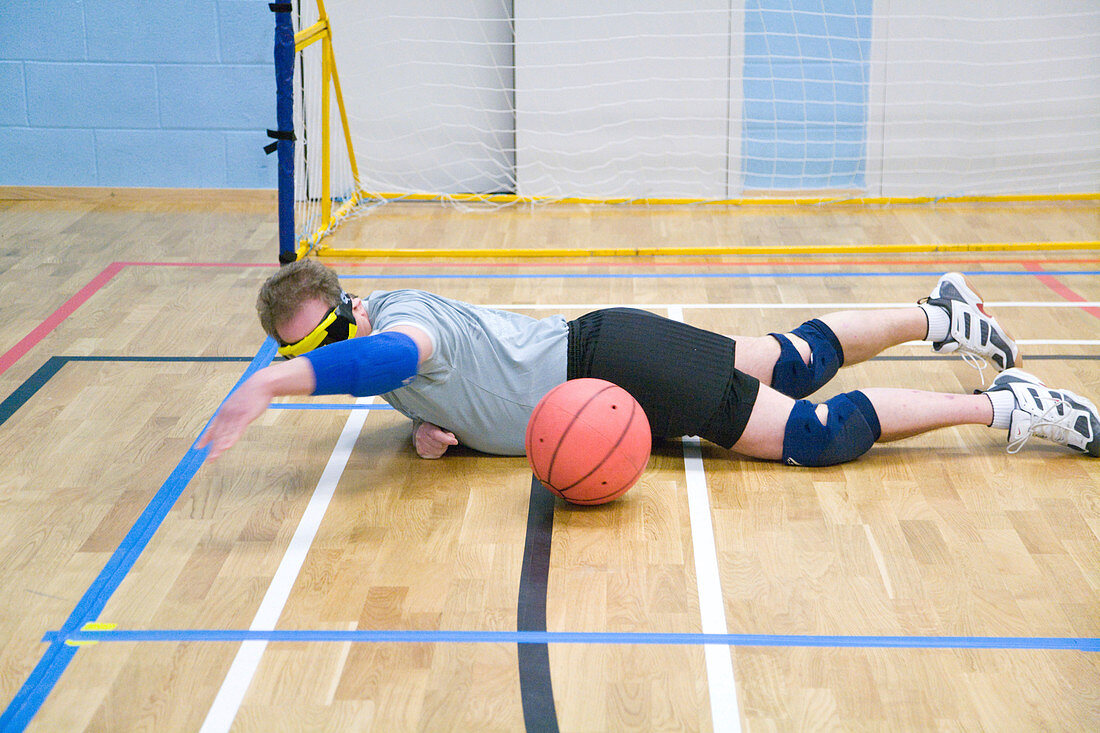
(91, 626)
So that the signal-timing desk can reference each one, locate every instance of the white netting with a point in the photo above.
(309, 94)
(645, 99)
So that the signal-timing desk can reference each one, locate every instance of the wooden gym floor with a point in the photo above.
(320, 576)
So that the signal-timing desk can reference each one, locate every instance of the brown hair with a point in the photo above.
(294, 284)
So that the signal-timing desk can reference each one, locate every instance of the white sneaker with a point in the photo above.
(1055, 414)
(975, 334)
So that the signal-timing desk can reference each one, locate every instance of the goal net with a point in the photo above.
(504, 101)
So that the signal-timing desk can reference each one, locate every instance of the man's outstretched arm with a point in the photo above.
(294, 377)
(364, 366)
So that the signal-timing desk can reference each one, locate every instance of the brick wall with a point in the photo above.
(136, 93)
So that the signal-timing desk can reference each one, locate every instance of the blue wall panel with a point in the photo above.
(34, 157)
(160, 32)
(34, 30)
(217, 97)
(805, 85)
(91, 95)
(246, 29)
(13, 109)
(247, 165)
(136, 93)
(166, 158)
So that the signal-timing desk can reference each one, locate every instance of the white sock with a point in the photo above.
(1004, 402)
(939, 322)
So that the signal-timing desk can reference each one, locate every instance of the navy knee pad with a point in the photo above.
(850, 430)
(792, 376)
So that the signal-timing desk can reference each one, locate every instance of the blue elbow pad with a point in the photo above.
(365, 366)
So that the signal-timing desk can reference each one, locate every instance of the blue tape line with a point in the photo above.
(666, 275)
(26, 702)
(37, 687)
(1086, 644)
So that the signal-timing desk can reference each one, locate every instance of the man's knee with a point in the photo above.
(851, 427)
(794, 377)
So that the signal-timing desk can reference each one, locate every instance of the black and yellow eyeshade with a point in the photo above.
(337, 325)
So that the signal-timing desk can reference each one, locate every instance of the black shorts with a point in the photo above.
(682, 376)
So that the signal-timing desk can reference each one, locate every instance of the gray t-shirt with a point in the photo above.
(488, 368)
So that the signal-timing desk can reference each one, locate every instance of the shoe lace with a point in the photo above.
(1045, 426)
(976, 361)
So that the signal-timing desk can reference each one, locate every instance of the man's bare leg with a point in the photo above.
(902, 413)
(862, 334)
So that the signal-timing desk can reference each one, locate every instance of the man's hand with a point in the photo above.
(432, 441)
(248, 402)
(243, 406)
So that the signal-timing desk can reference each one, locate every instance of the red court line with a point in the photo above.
(43, 329)
(219, 264)
(1061, 288)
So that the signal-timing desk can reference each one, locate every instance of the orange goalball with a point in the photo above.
(588, 441)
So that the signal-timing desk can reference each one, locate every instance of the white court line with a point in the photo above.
(784, 306)
(237, 680)
(1030, 342)
(722, 687)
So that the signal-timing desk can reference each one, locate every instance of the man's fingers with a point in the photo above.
(432, 441)
(439, 435)
(210, 440)
(219, 436)
(235, 414)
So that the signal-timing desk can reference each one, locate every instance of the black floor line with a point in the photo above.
(536, 688)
